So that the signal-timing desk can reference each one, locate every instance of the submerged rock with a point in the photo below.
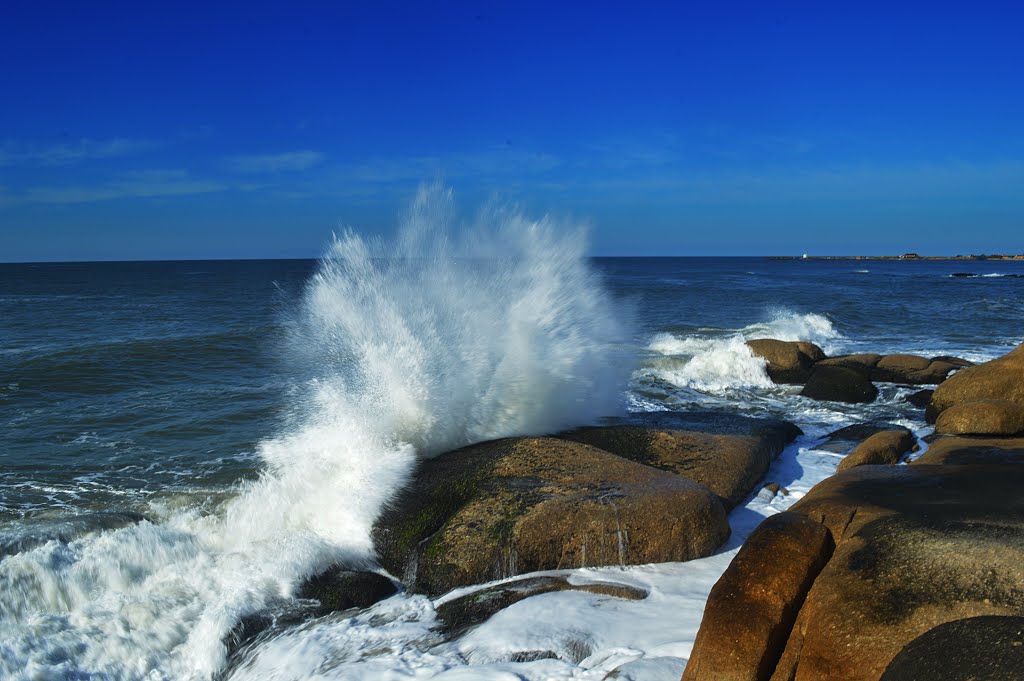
(839, 384)
(338, 588)
(921, 398)
(787, 361)
(467, 611)
(728, 454)
(884, 447)
(506, 507)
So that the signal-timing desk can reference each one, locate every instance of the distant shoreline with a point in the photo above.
(905, 256)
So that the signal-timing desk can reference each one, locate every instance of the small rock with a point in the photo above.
(921, 398)
(886, 447)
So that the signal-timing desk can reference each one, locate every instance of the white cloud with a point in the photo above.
(66, 153)
(141, 184)
(289, 161)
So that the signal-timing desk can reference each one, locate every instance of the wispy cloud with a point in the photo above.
(66, 153)
(289, 161)
(141, 184)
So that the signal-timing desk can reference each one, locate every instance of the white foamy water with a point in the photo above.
(436, 340)
(716, 362)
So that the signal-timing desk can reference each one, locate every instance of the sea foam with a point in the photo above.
(719, 362)
(408, 347)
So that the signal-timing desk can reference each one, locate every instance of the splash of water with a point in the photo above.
(720, 363)
(434, 340)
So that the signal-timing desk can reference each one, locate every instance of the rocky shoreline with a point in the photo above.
(905, 256)
(864, 577)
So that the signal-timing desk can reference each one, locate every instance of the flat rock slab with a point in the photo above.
(517, 505)
(728, 454)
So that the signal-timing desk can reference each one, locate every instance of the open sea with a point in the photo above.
(181, 442)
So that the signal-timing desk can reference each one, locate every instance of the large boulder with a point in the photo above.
(729, 454)
(787, 361)
(752, 608)
(506, 507)
(999, 379)
(839, 384)
(916, 547)
(882, 448)
(982, 417)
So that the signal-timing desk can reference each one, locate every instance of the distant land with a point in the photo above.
(905, 256)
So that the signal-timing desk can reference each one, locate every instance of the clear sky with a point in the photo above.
(185, 130)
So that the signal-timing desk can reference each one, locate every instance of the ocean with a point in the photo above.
(181, 442)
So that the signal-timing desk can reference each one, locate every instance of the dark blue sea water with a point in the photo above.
(119, 381)
(148, 388)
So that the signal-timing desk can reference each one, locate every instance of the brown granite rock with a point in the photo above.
(916, 547)
(914, 369)
(862, 363)
(506, 507)
(982, 417)
(728, 454)
(999, 379)
(839, 384)
(958, 451)
(846, 439)
(965, 523)
(989, 648)
(788, 361)
(885, 447)
(752, 608)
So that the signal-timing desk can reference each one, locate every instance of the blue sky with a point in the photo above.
(253, 130)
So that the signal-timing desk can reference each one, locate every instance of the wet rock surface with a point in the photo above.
(459, 614)
(506, 507)
(728, 454)
(839, 384)
(787, 361)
